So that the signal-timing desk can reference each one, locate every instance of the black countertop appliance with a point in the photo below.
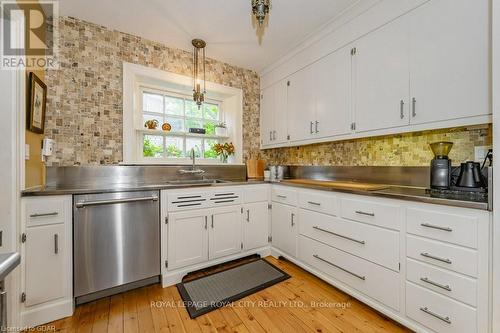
(441, 165)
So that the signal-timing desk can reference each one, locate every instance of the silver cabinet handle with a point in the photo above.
(248, 215)
(341, 268)
(292, 219)
(314, 203)
(3, 313)
(432, 226)
(212, 221)
(270, 135)
(206, 222)
(44, 214)
(414, 107)
(317, 122)
(435, 315)
(360, 212)
(56, 243)
(427, 255)
(274, 135)
(442, 286)
(281, 196)
(113, 201)
(339, 235)
(311, 124)
(402, 109)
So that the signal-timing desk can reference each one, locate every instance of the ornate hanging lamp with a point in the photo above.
(260, 8)
(198, 65)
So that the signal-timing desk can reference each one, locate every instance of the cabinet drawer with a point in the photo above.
(373, 280)
(375, 244)
(438, 312)
(284, 195)
(452, 257)
(178, 201)
(322, 202)
(373, 212)
(255, 193)
(456, 229)
(46, 210)
(447, 283)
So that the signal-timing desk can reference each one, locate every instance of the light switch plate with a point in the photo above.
(480, 153)
(26, 151)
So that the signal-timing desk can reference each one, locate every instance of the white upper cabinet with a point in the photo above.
(381, 73)
(301, 104)
(274, 114)
(449, 60)
(332, 76)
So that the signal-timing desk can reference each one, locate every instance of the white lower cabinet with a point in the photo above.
(285, 228)
(46, 265)
(224, 235)
(255, 225)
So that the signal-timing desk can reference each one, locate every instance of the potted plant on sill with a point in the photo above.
(224, 150)
(221, 129)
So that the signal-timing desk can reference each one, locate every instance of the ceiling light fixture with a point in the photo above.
(260, 8)
(198, 95)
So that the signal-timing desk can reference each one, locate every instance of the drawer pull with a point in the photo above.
(314, 203)
(360, 212)
(342, 269)
(432, 226)
(56, 243)
(44, 214)
(281, 196)
(435, 315)
(427, 255)
(442, 286)
(338, 235)
(292, 217)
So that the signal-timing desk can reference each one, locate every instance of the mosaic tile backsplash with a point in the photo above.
(84, 111)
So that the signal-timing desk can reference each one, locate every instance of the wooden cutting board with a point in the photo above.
(338, 184)
(255, 169)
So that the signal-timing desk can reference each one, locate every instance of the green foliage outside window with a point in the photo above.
(149, 149)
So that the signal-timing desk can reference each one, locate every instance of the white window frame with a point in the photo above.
(137, 76)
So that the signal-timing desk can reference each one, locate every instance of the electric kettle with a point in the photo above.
(470, 175)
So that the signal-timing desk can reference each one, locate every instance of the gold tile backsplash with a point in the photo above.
(408, 149)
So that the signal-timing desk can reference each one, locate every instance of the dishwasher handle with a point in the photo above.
(113, 201)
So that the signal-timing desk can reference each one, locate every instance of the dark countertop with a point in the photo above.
(8, 261)
(416, 194)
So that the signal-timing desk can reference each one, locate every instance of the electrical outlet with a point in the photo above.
(480, 153)
(26, 151)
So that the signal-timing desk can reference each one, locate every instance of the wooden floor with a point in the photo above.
(302, 303)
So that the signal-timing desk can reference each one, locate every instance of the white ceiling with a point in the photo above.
(226, 25)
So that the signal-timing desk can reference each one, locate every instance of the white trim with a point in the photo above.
(135, 76)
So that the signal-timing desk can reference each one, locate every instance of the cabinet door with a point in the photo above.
(255, 225)
(333, 94)
(449, 60)
(284, 228)
(187, 238)
(267, 102)
(280, 112)
(225, 231)
(381, 78)
(301, 105)
(45, 274)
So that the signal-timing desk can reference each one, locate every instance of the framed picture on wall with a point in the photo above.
(37, 103)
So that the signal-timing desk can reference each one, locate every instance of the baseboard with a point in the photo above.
(45, 313)
(173, 277)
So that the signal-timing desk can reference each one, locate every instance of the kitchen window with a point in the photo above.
(181, 113)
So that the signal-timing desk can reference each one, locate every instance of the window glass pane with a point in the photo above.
(194, 143)
(209, 127)
(177, 124)
(146, 117)
(209, 151)
(211, 111)
(174, 147)
(152, 146)
(193, 123)
(174, 106)
(152, 103)
(192, 110)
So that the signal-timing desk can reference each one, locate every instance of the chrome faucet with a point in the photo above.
(193, 169)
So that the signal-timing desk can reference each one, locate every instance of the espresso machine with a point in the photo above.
(441, 165)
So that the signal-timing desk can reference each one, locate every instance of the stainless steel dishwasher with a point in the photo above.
(116, 243)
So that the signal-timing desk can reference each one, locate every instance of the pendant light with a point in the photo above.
(260, 8)
(198, 65)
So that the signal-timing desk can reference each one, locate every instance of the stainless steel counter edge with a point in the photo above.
(8, 262)
(415, 198)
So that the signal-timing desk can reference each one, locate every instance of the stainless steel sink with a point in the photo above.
(197, 182)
